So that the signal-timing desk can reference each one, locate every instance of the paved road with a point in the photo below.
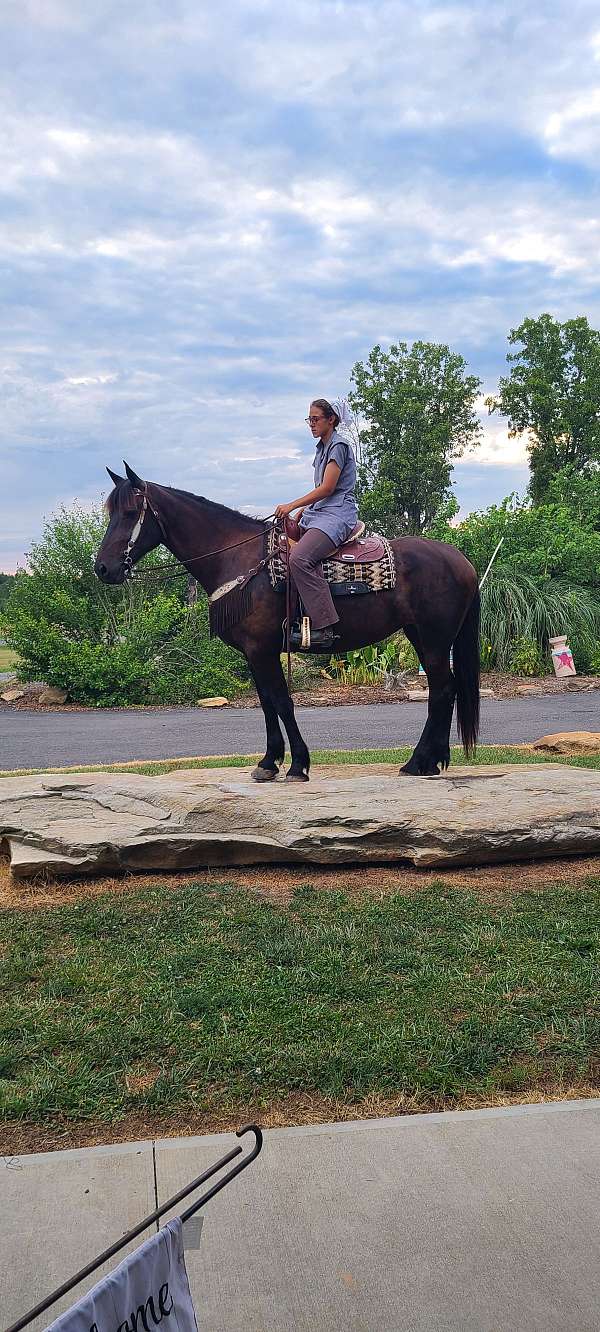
(474, 1221)
(57, 739)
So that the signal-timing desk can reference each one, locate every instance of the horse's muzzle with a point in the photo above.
(110, 576)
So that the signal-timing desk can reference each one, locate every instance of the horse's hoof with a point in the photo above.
(264, 774)
(297, 777)
(407, 771)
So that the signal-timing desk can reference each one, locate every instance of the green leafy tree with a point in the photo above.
(138, 643)
(546, 578)
(553, 393)
(419, 415)
(6, 586)
(579, 492)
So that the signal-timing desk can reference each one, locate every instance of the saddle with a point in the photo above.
(357, 549)
(361, 564)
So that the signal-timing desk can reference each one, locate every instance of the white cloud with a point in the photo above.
(209, 216)
(497, 449)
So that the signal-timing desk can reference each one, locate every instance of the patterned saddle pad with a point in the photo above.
(363, 565)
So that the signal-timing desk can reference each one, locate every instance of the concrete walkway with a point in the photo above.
(480, 1221)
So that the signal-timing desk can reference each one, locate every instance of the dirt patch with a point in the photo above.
(278, 882)
(21, 1138)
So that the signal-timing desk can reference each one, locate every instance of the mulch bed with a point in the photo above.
(330, 694)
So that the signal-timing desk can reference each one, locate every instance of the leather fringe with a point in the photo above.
(229, 609)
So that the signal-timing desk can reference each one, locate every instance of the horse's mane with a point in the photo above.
(124, 498)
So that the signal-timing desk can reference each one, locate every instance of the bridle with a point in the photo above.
(127, 560)
(240, 581)
(147, 504)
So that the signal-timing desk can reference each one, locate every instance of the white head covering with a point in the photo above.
(347, 427)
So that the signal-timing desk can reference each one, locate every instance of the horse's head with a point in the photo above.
(132, 530)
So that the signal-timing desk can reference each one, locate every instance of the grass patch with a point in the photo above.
(8, 659)
(486, 754)
(203, 997)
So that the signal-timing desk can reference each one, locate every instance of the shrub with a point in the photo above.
(526, 658)
(138, 643)
(371, 665)
(594, 660)
(515, 607)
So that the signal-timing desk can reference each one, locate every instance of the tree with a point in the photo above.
(418, 406)
(6, 586)
(553, 392)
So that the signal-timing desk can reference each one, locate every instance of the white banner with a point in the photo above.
(146, 1290)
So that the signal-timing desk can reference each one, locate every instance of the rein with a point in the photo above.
(232, 601)
(174, 564)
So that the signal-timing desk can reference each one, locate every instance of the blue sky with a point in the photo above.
(207, 218)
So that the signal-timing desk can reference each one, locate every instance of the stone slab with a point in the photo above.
(105, 823)
(570, 742)
(58, 1210)
(480, 1221)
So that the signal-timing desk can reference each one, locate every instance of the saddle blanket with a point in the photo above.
(365, 565)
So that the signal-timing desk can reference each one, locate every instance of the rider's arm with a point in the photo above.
(331, 477)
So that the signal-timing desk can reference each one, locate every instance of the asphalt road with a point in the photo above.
(57, 739)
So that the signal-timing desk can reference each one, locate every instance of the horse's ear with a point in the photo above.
(132, 476)
(114, 478)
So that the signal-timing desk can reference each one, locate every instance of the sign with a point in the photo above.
(148, 1290)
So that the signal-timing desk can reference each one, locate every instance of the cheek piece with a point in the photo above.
(127, 560)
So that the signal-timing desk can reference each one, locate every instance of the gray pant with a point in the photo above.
(307, 573)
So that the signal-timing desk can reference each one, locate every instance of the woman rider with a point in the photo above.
(327, 515)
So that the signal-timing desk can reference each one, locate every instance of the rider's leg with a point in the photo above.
(307, 573)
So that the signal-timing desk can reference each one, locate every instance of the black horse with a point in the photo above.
(435, 601)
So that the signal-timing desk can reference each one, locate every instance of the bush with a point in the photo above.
(526, 658)
(191, 665)
(515, 608)
(138, 643)
(594, 660)
(554, 541)
(371, 665)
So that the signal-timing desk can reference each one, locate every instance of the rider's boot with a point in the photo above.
(315, 640)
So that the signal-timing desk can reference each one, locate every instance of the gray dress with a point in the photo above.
(337, 514)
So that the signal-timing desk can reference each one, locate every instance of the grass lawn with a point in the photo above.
(209, 1001)
(8, 659)
(485, 754)
(193, 1003)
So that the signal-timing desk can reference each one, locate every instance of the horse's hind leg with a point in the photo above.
(272, 680)
(268, 767)
(433, 747)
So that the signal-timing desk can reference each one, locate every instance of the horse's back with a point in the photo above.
(425, 557)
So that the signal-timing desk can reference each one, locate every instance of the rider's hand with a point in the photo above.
(283, 510)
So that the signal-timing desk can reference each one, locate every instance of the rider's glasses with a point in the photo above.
(313, 420)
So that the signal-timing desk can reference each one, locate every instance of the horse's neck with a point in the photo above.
(199, 534)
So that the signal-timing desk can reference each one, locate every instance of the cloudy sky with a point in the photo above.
(207, 218)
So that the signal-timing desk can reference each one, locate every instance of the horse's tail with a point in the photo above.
(466, 673)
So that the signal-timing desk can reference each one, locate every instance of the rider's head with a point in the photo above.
(321, 417)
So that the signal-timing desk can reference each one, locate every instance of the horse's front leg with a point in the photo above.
(268, 767)
(272, 680)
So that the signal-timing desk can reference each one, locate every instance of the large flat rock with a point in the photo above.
(101, 823)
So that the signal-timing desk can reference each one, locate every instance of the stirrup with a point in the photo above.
(303, 639)
(299, 634)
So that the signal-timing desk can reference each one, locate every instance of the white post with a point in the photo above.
(491, 562)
